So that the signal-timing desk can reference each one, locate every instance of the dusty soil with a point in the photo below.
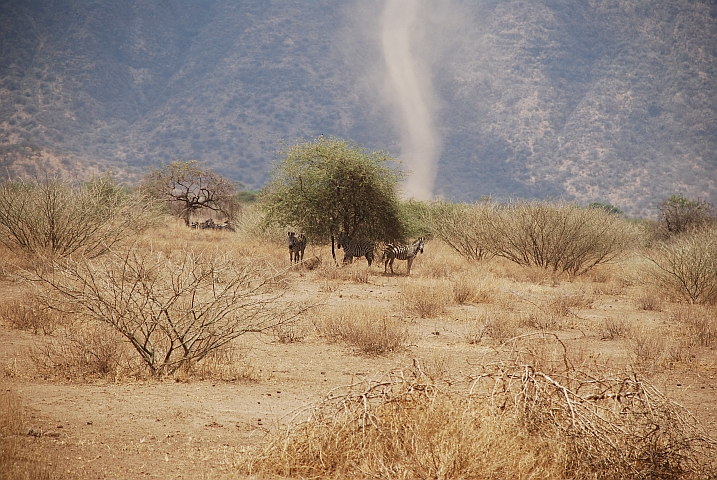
(199, 429)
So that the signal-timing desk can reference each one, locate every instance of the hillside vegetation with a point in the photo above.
(591, 101)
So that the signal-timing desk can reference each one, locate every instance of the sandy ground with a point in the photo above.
(199, 429)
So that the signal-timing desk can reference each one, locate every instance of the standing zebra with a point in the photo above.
(297, 245)
(401, 252)
(355, 248)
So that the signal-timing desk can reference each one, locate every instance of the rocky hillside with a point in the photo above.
(603, 101)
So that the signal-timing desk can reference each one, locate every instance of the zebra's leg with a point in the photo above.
(390, 263)
(369, 257)
(408, 267)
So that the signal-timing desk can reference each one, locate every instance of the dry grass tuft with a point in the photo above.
(16, 462)
(700, 323)
(427, 298)
(290, 333)
(227, 364)
(508, 419)
(373, 332)
(650, 302)
(81, 351)
(31, 316)
(655, 350)
(613, 328)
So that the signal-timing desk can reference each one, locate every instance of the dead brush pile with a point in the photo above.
(506, 420)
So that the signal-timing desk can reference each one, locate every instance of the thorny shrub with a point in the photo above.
(685, 267)
(506, 419)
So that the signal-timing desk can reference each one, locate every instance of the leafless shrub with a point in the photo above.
(686, 267)
(559, 236)
(82, 351)
(680, 214)
(373, 332)
(508, 419)
(613, 328)
(173, 308)
(427, 298)
(51, 218)
(465, 228)
(31, 315)
(700, 323)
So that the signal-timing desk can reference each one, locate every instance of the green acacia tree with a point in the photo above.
(329, 185)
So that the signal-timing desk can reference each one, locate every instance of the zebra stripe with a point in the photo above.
(355, 248)
(401, 252)
(297, 245)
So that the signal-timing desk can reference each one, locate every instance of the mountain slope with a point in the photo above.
(594, 101)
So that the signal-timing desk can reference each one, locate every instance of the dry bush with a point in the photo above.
(172, 308)
(252, 224)
(508, 419)
(16, 461)
(563, 304)
(653, 351)
(686, 267)
(32, 316)
(465, 290)
(554, 312)
(502, 326)
(426, 298)
(52, 218)
(700, 324)
(82, 351)
(493, 323)
(441, 262)
(357, 275)
(559, 236)
(371, 331)
(465, 228)
(613, 328)
(290, 333)
(227, 364)
(649, 301)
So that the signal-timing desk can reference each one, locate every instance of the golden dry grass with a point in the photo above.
(370, 330)
(426, 425)
(17, 460)
(507, 420)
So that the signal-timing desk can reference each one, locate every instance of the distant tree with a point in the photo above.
(607, 207)
(247, 196)
(330, 185)
(187, 188)
(680, 214)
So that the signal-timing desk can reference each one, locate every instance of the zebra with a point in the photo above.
(208, 223)
(297, 245)
(401, 252)
(355, 248)
(224, 226)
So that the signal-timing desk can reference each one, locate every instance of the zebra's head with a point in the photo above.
(418, 245)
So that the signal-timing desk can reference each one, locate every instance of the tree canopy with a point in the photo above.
(187, 188)
(329, 185)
